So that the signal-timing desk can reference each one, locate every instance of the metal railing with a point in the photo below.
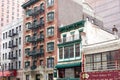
(69, 39)
(107, 66)
(68, 79)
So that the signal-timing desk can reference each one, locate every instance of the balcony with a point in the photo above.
(12, 45)
(41, 10)
(13, 34)
(40, 38)
(40, 52)
(12, 57)
(41, 23)
(28, 3)
(10, 35)
(11, 69)
(69, 40)
(32, 39)
(68, 79)
(32, 53)
(33, 67)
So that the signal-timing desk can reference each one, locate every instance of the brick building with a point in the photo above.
(42, 19)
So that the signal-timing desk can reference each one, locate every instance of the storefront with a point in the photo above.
(68, 71)
(8, 75)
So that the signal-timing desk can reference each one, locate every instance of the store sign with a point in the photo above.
(101, 75)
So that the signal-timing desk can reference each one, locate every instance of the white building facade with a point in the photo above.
(11, 51)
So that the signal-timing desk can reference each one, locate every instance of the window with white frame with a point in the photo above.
(50, 3)
(60, 53)
(28, 12)
(50, 31)
(50, 46)
(50, 16)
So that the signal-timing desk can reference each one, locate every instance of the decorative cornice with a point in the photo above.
(28, 3)
(72, 26)
(69, 43)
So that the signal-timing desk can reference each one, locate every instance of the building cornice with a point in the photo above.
(72, 26)
(28, 3)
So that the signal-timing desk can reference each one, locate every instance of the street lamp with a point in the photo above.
(1, 68)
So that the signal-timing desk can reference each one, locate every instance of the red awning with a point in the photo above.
(8, 73)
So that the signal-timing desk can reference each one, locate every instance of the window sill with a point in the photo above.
(50, 36)
(50, 51)
(49, 6)
(49, 21)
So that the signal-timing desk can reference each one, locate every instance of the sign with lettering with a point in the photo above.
(101, 75)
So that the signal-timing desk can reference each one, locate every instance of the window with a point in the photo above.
(27, 51)
(42, 6)
(68, 52)
(50, 62)
(37, 77)
(50, 76)
(102, 61)
(50, 16)
(10, 33)
(19, 64)
(41, 62)
(27, 77)
(64, 38)
(50, 31)
(6, 45)
(19, 52)
(27, 38)
(77, 50)
(3, 45)
(16, 41)
(27, 64)
(60, 53)
(42, 21)
(77, 72)
(50, 46)
(6, 34)
(50, 3)
(72, 35)
(20, 40)
(3, 35)
(61, 73)
(20, 28)
(16, 64)
(5, 55)
(16, 29)
(16, 53)
(28, 25)
(28, 12)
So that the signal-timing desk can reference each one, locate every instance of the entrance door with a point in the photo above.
(37, 76)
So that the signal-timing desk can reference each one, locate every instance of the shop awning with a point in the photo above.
(8, 73)
(68, 65)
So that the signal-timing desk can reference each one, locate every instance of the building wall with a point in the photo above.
(109, 10)
(69, 13)
(10, 10)
(6, 49)
(94, 34)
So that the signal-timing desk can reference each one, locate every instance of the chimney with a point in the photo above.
(115, 31)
